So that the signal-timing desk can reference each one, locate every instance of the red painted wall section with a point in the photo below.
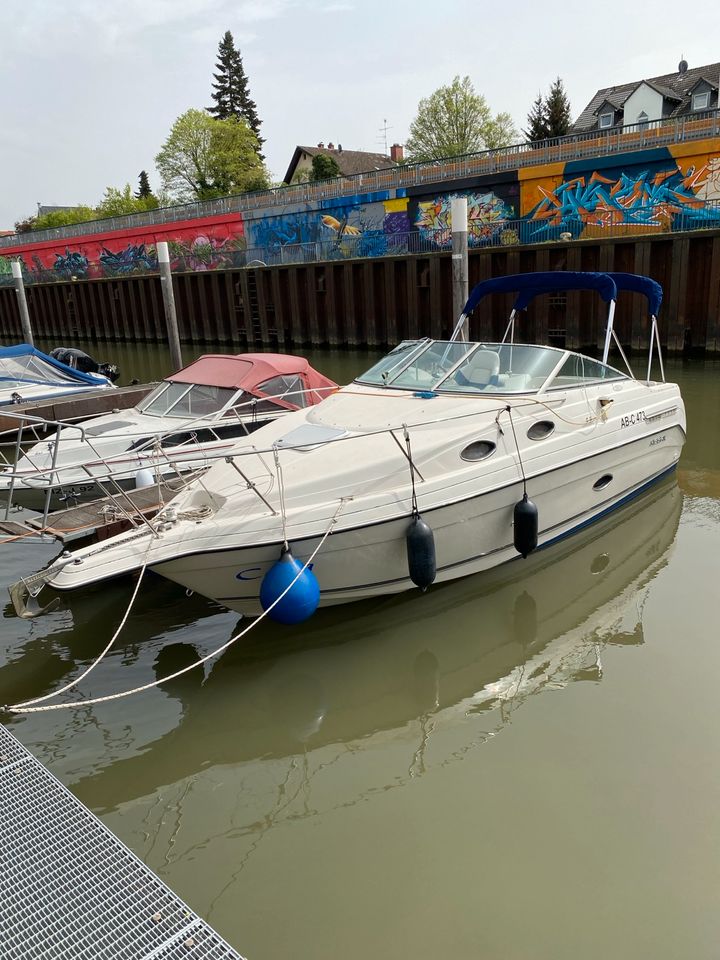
(205, 243)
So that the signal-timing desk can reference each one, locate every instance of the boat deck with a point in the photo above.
(70, 888)
(98, 519)
(79, 406)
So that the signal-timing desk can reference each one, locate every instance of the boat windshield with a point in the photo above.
(486, 367)
(174, 399)
(18, 371)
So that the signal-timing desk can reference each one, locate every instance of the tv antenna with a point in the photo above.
(383, 134)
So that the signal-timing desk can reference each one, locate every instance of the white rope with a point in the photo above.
(72, 683)
(19, 708)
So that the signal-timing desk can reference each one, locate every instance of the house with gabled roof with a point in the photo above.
(348, 161)
(685, 93)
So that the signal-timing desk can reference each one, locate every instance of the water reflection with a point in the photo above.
(400, 668)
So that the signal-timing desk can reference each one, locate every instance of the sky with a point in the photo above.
(90, 89)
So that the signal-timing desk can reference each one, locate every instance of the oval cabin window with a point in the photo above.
(602, 481)
(541, 430)
(478, 450)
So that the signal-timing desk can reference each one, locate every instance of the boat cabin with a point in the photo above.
(247, 384)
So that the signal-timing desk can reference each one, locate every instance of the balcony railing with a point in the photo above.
(591, 143)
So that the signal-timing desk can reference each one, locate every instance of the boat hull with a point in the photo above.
(471, 535)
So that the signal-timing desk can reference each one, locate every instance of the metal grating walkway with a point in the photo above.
(69, 889)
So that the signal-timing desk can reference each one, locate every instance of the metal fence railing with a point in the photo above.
(646, 220)
(573, 147)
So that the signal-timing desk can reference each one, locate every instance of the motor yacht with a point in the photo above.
(496, 448)
(29, 374)
(191, 417)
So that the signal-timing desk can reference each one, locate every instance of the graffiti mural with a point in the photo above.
(649, 190)
(486, 214)
(134, 258)
(71, 264)
(204, 244)
(657, 196)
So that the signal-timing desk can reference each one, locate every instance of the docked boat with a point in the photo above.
(29, 374)
(444, 459)
(191, 417)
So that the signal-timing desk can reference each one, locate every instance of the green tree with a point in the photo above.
(537, 121)
(324, 167)
(61, 218)
(557, 110)
(452, 121)
(500, 132)
(119, 203)
(143, 190)
(204, 158)
(231, 89)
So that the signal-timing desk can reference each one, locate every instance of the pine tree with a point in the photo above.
(231, 90)
(557, 110)
(143, 186)
(537, 121)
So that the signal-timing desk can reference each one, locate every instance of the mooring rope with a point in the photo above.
(20, 708)
(72, 683)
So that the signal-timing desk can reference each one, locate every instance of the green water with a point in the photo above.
(520, 765)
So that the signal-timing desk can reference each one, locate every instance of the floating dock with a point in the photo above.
(98, 519)
(70, 889)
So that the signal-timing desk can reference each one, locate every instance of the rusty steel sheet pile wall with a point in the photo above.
(380, 301)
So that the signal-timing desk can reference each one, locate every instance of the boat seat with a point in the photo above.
(480, 371)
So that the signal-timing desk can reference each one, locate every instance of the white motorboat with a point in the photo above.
(191, 416)
(444, 459)
(28, 374)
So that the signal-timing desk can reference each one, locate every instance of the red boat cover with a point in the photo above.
(247, 371)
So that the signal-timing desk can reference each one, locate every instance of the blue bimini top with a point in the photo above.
(638, 284)
(530, 285)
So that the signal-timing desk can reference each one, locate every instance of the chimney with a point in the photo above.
(331, 145)
(396, 153)
(321, 146)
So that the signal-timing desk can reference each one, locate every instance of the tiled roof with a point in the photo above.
(349, 161)
(671, 85)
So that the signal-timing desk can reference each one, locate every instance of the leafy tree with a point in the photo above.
(26, 225)
(537, 121)
(557, 110)
(204, 158)
(324, 167)
(500, 132)
(60, 218)
(143, 190)
(452, 121)
(231, 89)
(118, 203)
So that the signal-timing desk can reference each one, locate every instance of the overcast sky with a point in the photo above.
(90, 89)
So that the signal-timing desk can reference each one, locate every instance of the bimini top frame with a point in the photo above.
(527, 286)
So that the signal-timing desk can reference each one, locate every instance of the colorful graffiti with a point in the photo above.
(658, 188)
(206, 253)
(135, 258)
(486, 214)
(204, 244)
(658, 196)
(340, 231)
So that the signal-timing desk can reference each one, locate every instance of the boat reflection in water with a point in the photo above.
(399, 669)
